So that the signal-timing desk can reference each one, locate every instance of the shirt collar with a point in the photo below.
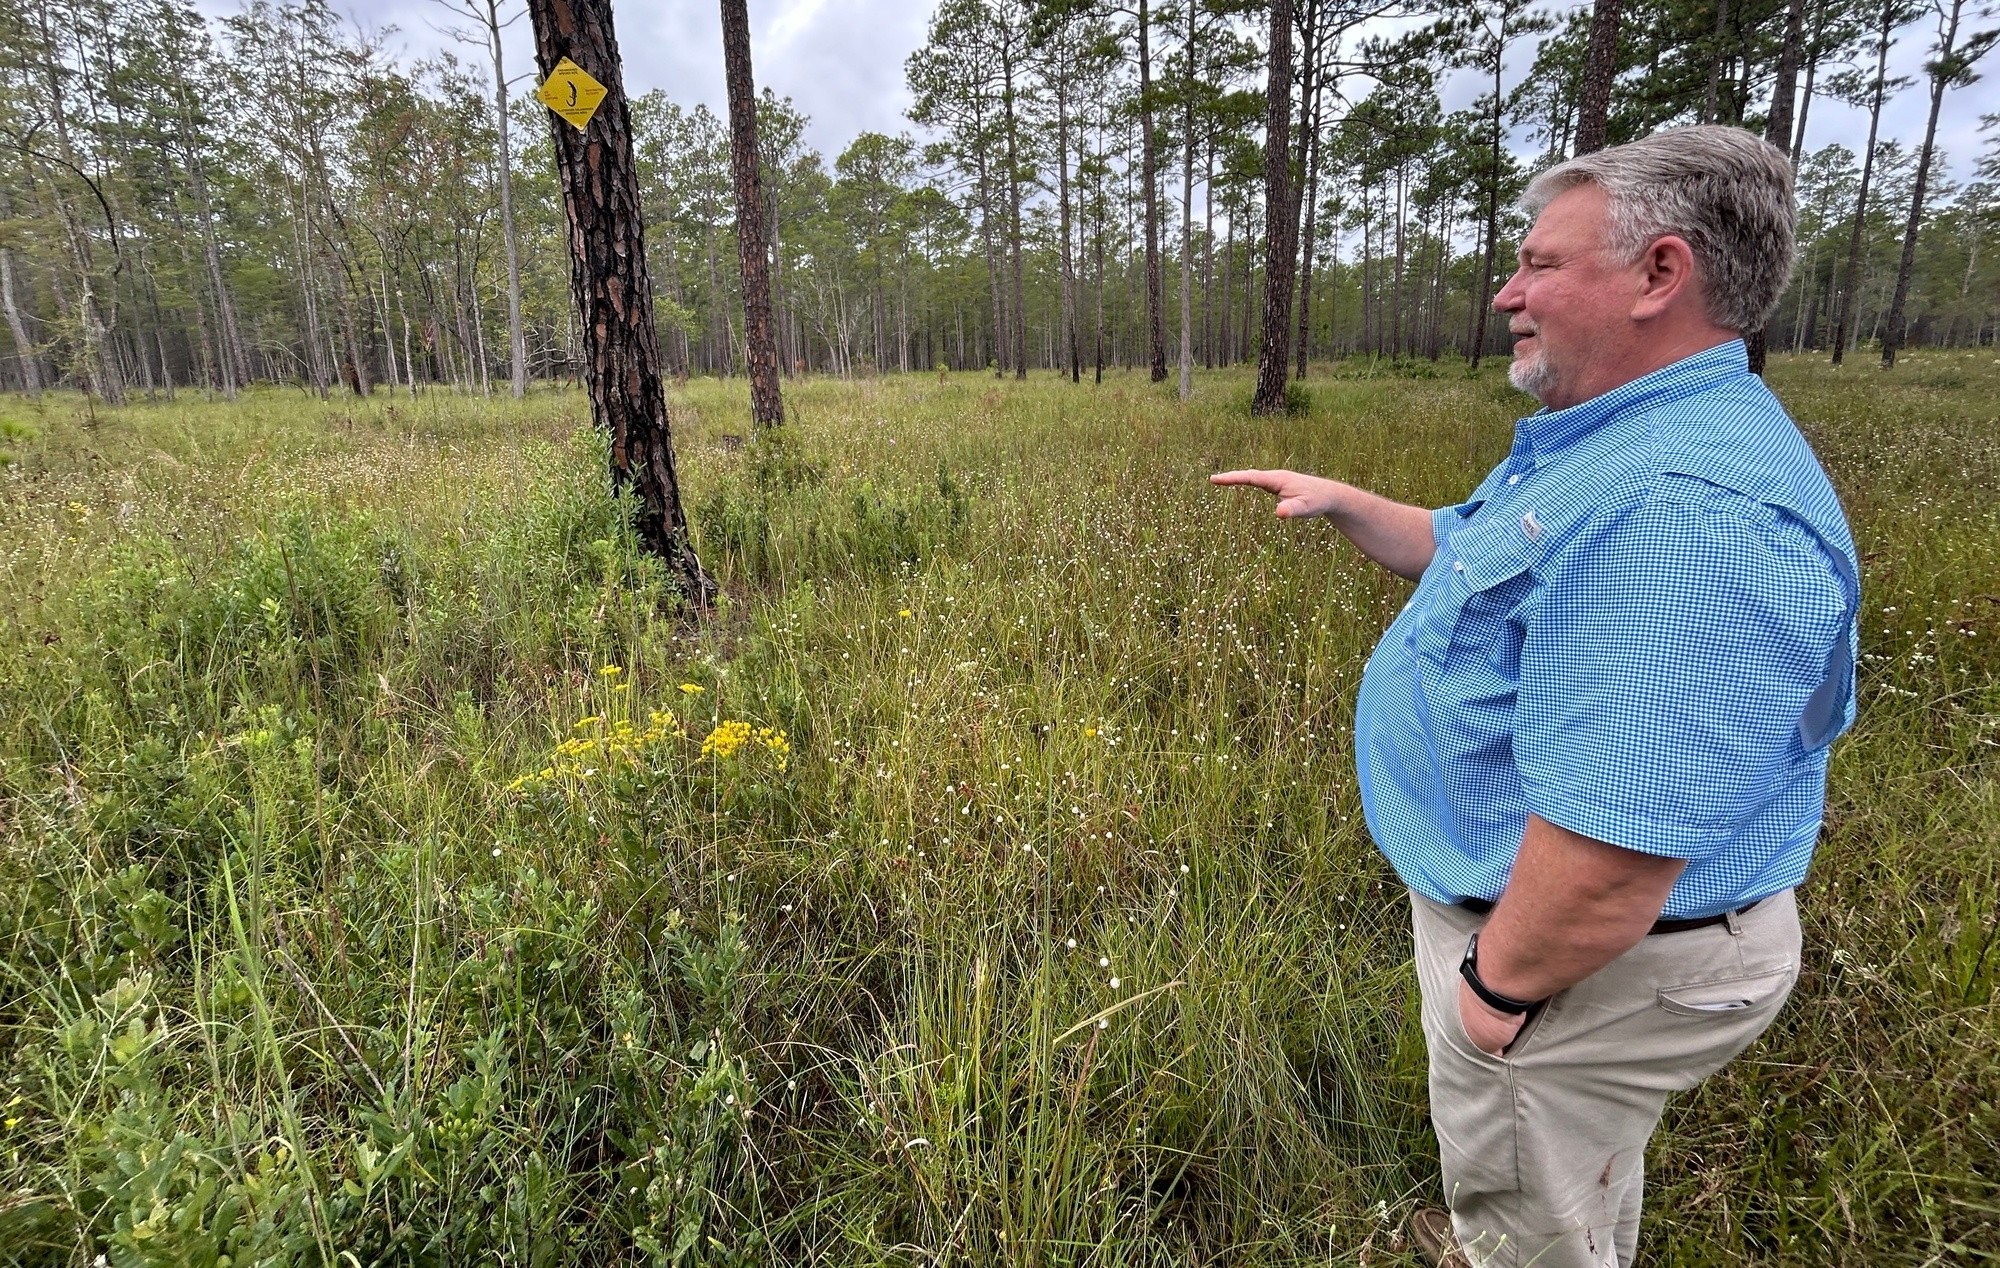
(1549, 431)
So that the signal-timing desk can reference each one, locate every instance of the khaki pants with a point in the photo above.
(1544, 1149)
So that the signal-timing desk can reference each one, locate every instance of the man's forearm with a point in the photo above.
(1572, 905)
(1393, 534)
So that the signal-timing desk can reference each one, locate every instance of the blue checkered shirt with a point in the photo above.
(1641, 627)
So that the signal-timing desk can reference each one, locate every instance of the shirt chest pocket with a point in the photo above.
(1491, 592)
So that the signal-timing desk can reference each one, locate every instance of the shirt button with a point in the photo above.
(1515, 478)
(1458, 565)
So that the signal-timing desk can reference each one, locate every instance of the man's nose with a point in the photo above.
(1509, 298)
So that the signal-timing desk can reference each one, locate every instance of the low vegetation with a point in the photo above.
(392, 874)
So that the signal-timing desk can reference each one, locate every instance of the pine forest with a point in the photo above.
(269, 197)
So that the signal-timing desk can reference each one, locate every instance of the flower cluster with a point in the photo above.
(729, 738)
(598, 747)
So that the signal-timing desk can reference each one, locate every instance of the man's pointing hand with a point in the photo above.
(1394, 535)
(1298, 495)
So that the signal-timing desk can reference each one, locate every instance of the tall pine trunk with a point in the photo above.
(1710, 105)
(1945, 67)
(1396, 278)
(1279, 248)
(1814, 50)
(611, 287)
(1014, 210)
(760, 345)
(1069, 336)
(1851, 279)
(1156, 336)
(232, 358)
(517, 340)
(1479, 310)
(1097, 243)
(1308, 197)
(24, 347)
(1599, 69)
(1208, 260)
(1187, 215)
(1778, 131)
(1227, 349)
(996, 286)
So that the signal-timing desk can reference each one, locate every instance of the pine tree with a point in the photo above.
(760, 346)
(611, 285)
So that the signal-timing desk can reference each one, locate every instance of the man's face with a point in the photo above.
(1569, 304)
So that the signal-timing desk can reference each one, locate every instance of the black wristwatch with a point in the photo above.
(1468, 968)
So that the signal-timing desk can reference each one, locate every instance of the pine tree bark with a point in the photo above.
(517, 340)
(1228, 347)
(1279, 228)
(1247, 314)
(995, 286)
(1599, 70)
(1480, 310)
(1778, 131)
(1396, 274)
(1814, 50)
(1149, 176)
(1097, 320)
(1710, 105)
(24, 347)
(1069, 335)
(1187, 214)
(1020, 303)
(1851, 278)
(1943, 69)
(760, 345)
(1208, 259)
(1785, 81)
(97, 318)
(1308, 197)
(611, 287)
(234, 365)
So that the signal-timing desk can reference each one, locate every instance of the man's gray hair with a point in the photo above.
(1727, 192)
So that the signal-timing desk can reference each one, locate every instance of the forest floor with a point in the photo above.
(389, 874)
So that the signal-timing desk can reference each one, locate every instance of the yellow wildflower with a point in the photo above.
(611, 671)
(693, 688)
(725, 739)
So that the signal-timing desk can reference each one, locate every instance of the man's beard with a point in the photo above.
(1533, 374)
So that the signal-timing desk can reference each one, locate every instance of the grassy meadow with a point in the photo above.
(390, 874)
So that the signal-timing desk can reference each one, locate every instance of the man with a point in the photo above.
(1594, 744)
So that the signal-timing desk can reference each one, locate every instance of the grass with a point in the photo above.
(388, 873)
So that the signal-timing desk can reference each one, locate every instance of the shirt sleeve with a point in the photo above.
(1444, 520)
(1664, 672)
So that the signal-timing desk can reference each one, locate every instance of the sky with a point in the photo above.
(841, 63)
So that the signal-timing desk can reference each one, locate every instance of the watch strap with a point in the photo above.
(1468, 968)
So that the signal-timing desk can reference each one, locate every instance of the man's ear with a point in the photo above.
(1666, 279)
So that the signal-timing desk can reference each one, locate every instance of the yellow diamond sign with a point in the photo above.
(571, 92)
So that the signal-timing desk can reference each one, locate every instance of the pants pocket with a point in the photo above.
(1729, 995)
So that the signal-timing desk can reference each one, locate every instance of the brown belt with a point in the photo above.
(1480, 907)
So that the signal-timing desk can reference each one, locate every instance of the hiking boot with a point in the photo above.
(1431, 1230)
